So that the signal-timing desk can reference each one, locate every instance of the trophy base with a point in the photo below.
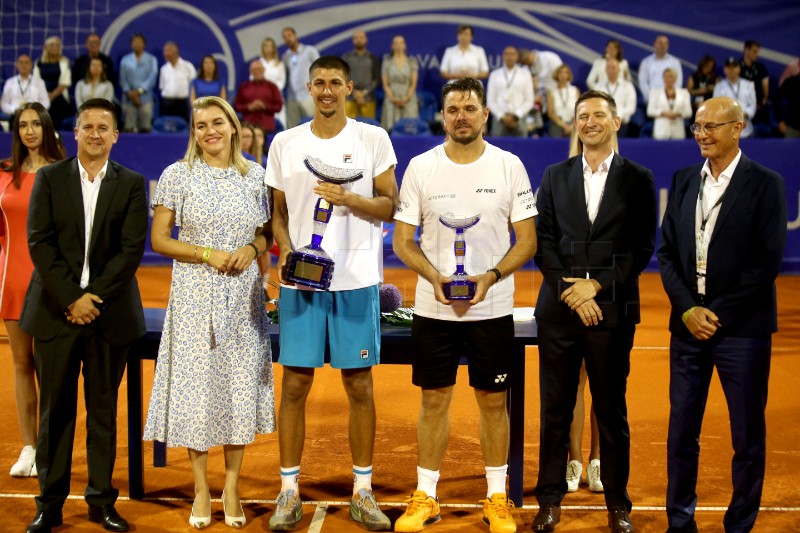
(309, 269)
(459, 290)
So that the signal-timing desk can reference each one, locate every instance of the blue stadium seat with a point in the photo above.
(170, 124)
(410, 126)
(279, 127)
(68, 124)
(427, 106)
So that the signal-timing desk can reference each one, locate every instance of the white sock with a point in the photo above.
(496, 480)
(426, 481)
(362, 478)
(290, 478)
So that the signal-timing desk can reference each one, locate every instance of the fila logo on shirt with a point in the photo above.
(347, 158)
(487, 191)
(364, 354)
(500, 378)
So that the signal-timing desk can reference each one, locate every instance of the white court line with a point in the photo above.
(326, 504)
(319, 518)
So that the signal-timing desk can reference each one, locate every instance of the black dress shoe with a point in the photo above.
(108, 517)
(546, 519)
(619, 521)
(691, 527)
(43, 523)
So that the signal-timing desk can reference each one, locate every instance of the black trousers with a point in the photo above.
(58, 362)
(562, 348)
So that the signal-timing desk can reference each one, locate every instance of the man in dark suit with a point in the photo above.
(596, 224)
(86, 232)
(721, 248)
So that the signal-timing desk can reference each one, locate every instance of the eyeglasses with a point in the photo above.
(708, 127)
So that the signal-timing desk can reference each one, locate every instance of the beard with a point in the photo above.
(327, 114)
(464, 139)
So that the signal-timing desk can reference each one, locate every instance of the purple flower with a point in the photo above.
(390, 297)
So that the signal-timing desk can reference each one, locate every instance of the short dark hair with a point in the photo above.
(750, 43)
(588, 95)
(99, 103)
(465, 85)
(139, 35)
(464, 27)
(330, 62)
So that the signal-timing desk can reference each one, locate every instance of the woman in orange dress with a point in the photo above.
(34, 145)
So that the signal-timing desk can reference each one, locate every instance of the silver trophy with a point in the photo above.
(311, 265)
(460, 288)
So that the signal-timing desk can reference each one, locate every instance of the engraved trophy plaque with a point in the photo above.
(311, 265)
(460, 288)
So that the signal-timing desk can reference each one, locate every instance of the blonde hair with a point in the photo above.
(45, 56)
(193, 150)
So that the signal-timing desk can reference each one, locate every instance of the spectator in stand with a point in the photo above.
(274, 71)
(81, 66)
(669, 105)
(622, 91)
(258, 99)
(207, 82)
(510, 96)
(561, 103)
(248, 133)
(95, 84)
(365, 72)
(741, 90)
(788, 108)
(791, 70)
(54, 70)
(175, 82)
(297, 59)
(756, 71)
(702, 81)
(138, 72)
(543, 64)
(23, 88)
(259, 143)
(399, 73)
(651, 70)
(464, 59)
(597, 76)
(34, 144)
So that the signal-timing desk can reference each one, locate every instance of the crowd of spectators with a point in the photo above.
(532, 93)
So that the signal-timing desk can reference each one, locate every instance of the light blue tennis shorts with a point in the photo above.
(344, 325)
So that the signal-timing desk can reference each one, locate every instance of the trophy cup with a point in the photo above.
(311, 265)
(460, 288)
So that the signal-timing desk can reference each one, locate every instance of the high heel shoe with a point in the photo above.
(199, 522)
(233, 521)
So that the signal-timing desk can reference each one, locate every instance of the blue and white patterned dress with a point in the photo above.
(213, 382)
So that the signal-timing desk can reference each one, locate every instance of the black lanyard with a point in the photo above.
(705, 216)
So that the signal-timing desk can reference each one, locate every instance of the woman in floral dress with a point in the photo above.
(213, 384)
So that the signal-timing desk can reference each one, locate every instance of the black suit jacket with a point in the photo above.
(613, 250)
(744, 252)
(56, 237)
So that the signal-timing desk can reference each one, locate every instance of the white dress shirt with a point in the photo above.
(712, 191)
(510, 91)
(90, 190)
(17, 91)
(175, 81)
(594, 183)
(669, 128)
(469, 62)
(744, 92)
(651, 73)
(624, 94)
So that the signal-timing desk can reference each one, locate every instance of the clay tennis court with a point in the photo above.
(326, 469)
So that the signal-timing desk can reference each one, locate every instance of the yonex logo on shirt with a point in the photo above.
(500, 378)
(489, 191)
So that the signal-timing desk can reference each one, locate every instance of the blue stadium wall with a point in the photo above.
(577, 31)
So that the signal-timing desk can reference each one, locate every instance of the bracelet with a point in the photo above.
(206, 254)
(685, 315)
(496, 273)
(196, 260)
(255, 248)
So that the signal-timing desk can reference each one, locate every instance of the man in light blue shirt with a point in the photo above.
(651, 70)
(297, 58)
(137, 78)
